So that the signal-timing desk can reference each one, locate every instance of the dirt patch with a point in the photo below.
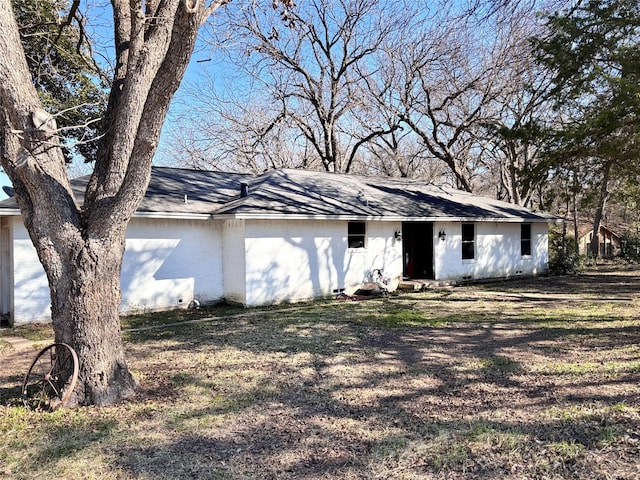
(16, 355)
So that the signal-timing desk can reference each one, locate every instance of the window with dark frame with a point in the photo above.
(468, 241)
(356, 234)
(525, 239)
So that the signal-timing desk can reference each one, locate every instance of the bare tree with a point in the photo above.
(344, 82)
(309, 63)
(81, 245)
(237, 130)
(448, 78)
(400, 154)
(445, 86)
(510, 146)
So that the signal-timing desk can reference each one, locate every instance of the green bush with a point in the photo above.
(564, 263)
(630, 248)
(563, 256)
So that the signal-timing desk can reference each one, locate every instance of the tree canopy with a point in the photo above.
(593, 54)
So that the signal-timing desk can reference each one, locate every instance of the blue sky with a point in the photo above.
(4, 180)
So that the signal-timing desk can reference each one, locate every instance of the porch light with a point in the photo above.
(442, 235)
(397, 235)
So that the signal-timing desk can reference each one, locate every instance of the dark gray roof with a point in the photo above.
(313, 194)
(177, 190)
(308, 194)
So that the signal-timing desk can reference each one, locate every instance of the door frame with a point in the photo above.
(418, 250)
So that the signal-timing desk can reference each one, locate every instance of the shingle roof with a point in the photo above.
(177, 190)
(313, 194)
(307, 194)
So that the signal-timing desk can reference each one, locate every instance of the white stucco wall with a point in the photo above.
(169, 263)
(295, 260)
(497, 251)
(233, 261)
(31, 296)
(382, 251)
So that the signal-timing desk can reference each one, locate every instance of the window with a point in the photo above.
(525, 239)
(356, 234)
(468, 241)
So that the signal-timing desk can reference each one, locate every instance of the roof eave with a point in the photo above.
(284, 216)
(10, 212)
(388, 218)
(174, 215)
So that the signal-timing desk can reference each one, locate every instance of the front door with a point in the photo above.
(417, 249)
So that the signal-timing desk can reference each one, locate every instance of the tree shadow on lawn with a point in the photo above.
(448, 402)
(343, 399)
(411, 344)
(337, 393)
(412, 424)
(309, 434)
(492, 349)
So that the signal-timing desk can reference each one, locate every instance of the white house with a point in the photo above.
(284, 236)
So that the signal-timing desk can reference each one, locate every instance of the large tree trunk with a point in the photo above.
(81, 248)
(85, 300)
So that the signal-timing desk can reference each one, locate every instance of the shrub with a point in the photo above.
(563, 256)
(630, 248)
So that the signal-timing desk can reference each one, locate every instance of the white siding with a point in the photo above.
(497, 251)
(296, 260)
(169, 263)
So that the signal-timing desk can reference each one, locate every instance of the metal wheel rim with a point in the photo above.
(42, 378)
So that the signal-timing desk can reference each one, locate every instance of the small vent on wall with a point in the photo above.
(467, 277)
(518, 272)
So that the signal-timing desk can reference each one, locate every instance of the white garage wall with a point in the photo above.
(295, 260)
(497, 251)
(169, 263)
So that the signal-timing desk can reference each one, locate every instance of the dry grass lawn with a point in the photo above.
(534, 379)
